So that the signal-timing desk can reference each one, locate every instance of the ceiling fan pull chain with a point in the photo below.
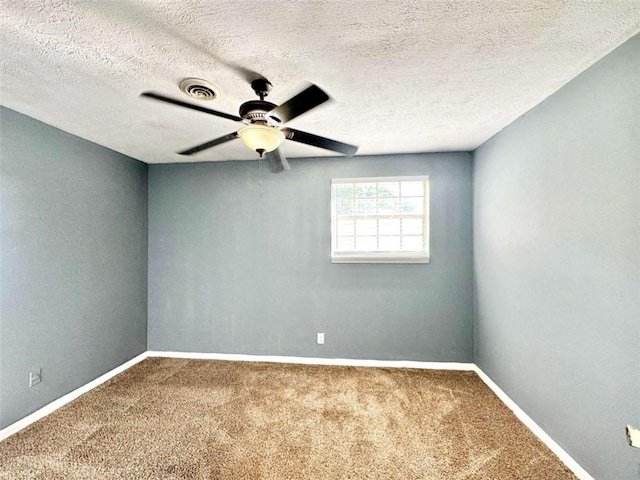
(260, 175)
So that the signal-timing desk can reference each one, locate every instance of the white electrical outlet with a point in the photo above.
(35, 377)
(320, 338)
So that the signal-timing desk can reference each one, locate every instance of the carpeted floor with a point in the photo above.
(204, 419)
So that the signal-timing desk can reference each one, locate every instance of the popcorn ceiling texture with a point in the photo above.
(406, 75)
(203, 419)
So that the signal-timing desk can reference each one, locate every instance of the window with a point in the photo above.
(380, 220)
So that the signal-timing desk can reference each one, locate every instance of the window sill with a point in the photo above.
(379, 259)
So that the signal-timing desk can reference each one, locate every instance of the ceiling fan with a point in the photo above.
(263, 129)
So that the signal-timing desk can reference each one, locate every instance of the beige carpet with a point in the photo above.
(202, 419)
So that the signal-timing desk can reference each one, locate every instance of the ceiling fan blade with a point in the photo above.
(301, 103)
(180, 103)
(209, 144)
(277, 161)
(321, 142)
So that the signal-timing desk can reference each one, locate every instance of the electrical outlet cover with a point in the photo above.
(35, 377)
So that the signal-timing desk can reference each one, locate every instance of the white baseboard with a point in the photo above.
(580, 472)
(60, 402)
(348, 362)
(560, 452)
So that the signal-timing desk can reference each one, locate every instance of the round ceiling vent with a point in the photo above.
(198, 88)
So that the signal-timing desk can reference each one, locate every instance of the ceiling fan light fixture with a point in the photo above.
(261, 138)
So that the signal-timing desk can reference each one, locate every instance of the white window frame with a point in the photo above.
(338, 256)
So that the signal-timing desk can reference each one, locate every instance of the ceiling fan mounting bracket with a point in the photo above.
(262, 87)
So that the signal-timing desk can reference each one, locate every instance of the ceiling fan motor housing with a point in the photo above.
(255, 111)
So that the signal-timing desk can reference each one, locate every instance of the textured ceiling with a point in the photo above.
(405, 76)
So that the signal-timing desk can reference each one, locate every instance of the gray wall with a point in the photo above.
(231, 272)
(557, 269)
(73, 252)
